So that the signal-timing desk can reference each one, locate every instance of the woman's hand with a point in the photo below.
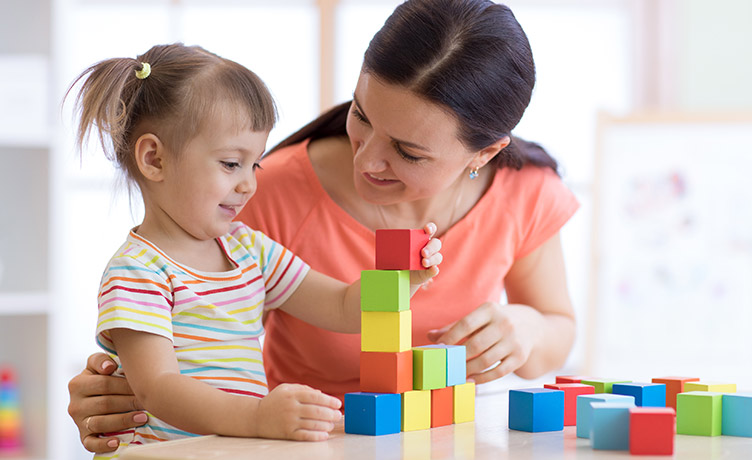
(431, 258)
(100, 403)
(297, 412)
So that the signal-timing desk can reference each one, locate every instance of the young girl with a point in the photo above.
(181, 302)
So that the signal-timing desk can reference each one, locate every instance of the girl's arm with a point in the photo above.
(331, 304)
(293, 412)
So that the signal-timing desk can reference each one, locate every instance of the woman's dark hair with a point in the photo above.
(470, 56)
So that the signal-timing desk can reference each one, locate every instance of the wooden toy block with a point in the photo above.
(584, 409)
(372, 413)
(386, 372)
(464, 402)
(536, 410)
(570, 378)
(456, 373)
(571, 391)
(399, 249)
(609, 427)
(651, 430)
(645, 394)
(699, 413)
(386, 331)
(736, 418)
(416, 410)
(385, 290)
(602, 385)
(442, 400)
(674, 386)
(429, 368)
(712, 387)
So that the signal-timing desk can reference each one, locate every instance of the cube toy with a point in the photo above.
(571, 391)
(536, 410)
(416, 410)
(386, 372)
(385, 290)
(609, 427)
(386, 331)
(651, 430)
(699, 413)
(584, 409)
(570, 378)
(442, 402)
(10, 414)
(372, 413)
(645, 394)
(429, 368)
(399, 249)
(713, 387)
(456, 363)
(736, 418)
(602, 385)
(674, 386)
(463, 406)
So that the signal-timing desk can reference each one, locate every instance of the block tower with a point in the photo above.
(10, 414)
(402, 388)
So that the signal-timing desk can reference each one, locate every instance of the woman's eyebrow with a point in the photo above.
(400, 141)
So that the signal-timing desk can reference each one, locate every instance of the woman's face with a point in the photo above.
(405, 148)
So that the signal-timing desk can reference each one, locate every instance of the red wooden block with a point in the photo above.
(442, 402)
(651, 430)
(674, 386)
(570, 378)
(399, 249)
(571, 391)
(386, 372)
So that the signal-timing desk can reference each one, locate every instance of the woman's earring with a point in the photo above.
(474, 173)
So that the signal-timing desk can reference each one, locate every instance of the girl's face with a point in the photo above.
(405, 148)
(214, 176)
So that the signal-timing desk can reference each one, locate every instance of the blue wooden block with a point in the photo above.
(456, 363)
(736, 415)
(609, 425)
(373, 413)
(645, 394)
(584, 409)
(536, 409)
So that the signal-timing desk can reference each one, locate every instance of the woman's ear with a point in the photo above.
(149, 152)
(486, 154)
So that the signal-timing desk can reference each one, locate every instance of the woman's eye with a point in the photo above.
(230, 164)
(257, 166)
(356, 113)
(405, 155)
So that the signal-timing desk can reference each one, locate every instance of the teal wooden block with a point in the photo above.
(429, 368)
(609, 427)
(456, 356)
(585, 410)
(737, 415)
(385, 290)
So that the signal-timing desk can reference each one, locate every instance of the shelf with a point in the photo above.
(24, 303)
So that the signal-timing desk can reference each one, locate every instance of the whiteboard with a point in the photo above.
(672, 248)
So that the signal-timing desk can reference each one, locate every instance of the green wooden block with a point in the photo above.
(385, 290)
(429, 368)
(603, 385)
(699, 413)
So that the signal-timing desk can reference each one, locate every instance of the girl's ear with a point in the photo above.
(487, 153)
(150, 152)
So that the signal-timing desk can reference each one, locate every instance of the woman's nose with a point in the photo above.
(370, 155)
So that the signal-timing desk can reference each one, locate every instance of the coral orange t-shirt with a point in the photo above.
(518, 213)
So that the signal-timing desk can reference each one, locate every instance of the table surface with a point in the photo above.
(487, 437)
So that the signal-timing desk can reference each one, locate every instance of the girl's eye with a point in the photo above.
(230, 164)
(257, 166)
(405, 155)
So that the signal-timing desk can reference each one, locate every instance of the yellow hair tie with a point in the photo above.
(144, 72)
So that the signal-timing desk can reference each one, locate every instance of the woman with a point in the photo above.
(427, 137)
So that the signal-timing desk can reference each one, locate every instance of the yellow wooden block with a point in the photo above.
(416, 410)
(707, 386)
(464, 402)
(389, 331)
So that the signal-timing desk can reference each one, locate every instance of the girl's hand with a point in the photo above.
(297, 412)
(431, 259)
(100, 403)
(499, 337)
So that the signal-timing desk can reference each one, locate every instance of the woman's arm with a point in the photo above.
(289, 412)
(531, 335)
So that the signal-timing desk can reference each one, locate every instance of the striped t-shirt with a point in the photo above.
(213, 319)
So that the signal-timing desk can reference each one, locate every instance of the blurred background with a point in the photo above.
(646, 103)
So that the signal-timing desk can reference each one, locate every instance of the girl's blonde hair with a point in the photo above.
(172, 99)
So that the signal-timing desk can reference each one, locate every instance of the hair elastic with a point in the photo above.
(144, 72)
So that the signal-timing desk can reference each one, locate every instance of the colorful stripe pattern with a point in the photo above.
(213, 319)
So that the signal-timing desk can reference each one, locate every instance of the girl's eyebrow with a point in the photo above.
(400, 141)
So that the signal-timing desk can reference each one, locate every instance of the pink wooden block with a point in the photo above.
(399, 249)
(571, 391)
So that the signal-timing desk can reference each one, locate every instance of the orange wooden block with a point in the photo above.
(571, 391)
(386, 372)
(570, 378)
(674, 386)
(442, 402)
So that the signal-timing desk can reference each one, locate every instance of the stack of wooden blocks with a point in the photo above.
(402, 388)
(10, 414)
(640, 417)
